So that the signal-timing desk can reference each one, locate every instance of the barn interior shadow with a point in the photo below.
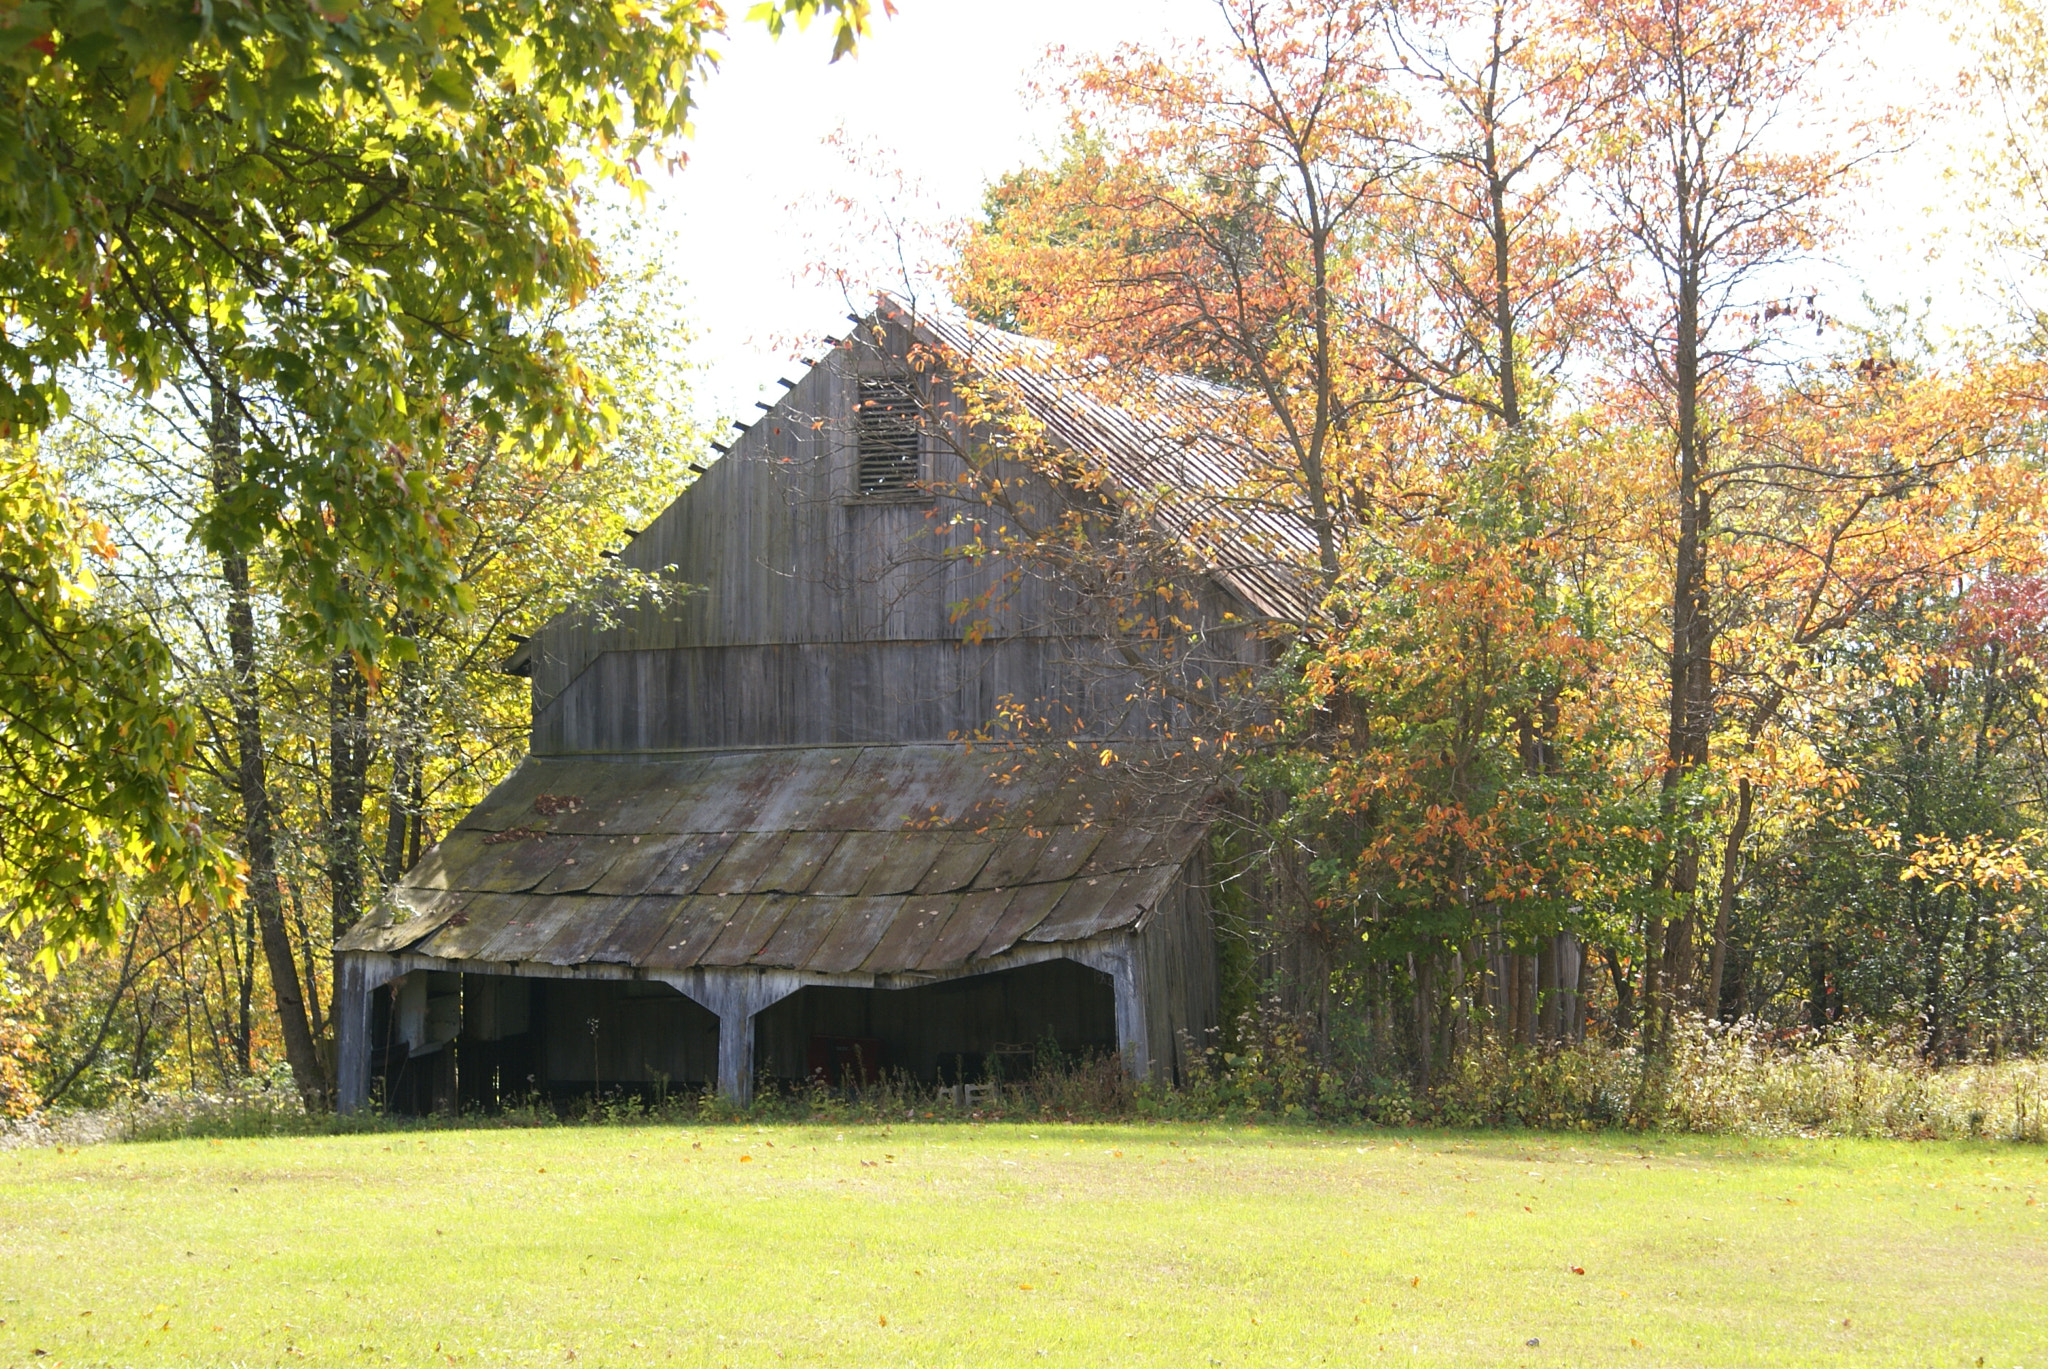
(448, 1042)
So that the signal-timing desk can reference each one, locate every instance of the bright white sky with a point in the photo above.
(941, 91)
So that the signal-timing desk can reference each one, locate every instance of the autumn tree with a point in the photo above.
(179, 998)
(1905, 894)
(1503, 292)
(97, 757)
(334, 228)
(1506, 279)
(1351, 226)
(1212, 222)
(1720, 171)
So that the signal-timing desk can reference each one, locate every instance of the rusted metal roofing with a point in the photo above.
(1166, 438)
(832, 860)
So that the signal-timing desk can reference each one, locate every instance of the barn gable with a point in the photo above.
(761, 799)
(826, 612)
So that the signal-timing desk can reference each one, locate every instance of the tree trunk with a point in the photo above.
(251, 779)
(309, 957)
(1681, 954)
(1525, 1000)
(1503, 277)
(1624, 992)
(1577, 1025)
(245, 990)
(1424, 1020)
(401, 805)
(1547, 993)
(1724, 908)
(1691, 700)
(419, 813)
(1457, 1018)
(348, 773)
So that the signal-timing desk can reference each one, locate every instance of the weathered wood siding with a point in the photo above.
(820, 693)
(1175, 948)
(821, 616)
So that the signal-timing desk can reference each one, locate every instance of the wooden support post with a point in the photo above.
(736, 1055)
(735, 996)
(1133, 1030)
(357, 975)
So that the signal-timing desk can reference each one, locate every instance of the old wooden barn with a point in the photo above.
(756, 836)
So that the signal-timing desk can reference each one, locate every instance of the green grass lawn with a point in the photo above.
(1007, 1244)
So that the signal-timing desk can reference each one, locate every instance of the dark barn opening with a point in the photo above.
(460, 1041)
(621, 1036)
(956, 1031)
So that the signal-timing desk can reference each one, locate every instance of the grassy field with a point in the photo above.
(1004, 1244)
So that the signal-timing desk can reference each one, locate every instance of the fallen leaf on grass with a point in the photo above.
(745, 1158)
(1578, 1269)
(881, 1321)
(1415, 1282)
(1027, 1287)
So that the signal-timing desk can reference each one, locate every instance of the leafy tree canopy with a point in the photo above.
(94, 755)
(344, 214)
(331, 228)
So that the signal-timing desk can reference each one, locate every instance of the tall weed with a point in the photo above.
(1745, 1080)
(1741, 1080)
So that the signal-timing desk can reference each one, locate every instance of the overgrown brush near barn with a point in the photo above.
(1726, 1081)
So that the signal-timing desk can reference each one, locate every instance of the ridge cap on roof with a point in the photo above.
(916, 316)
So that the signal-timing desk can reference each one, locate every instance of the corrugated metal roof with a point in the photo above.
(1162, 437)
(835, 860)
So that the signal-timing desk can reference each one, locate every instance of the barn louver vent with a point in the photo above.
(888, 430)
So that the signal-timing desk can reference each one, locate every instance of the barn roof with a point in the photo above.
(830, 860)
(1163, 436)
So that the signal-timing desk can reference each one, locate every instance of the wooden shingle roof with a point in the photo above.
(898, 860)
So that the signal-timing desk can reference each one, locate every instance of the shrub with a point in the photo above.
(1742, 1079)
